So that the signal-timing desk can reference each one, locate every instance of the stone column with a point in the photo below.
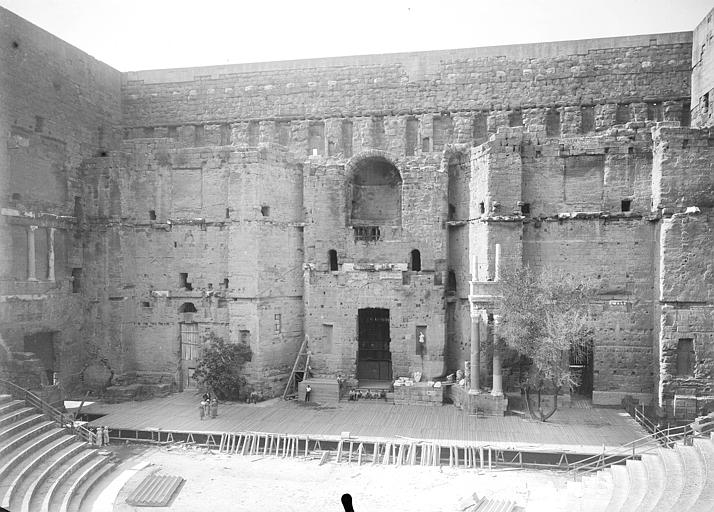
(475, 351)
(31, 254)
(497, 271)
(51, 256)
(497, 375)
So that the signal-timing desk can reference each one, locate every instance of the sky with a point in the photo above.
(149, 34)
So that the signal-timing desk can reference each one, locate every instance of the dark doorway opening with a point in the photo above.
(332, 257)
(374, 360)
(581, 369)
(42, 345)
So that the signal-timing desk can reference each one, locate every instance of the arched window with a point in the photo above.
(376, 193)
(187, 307)
(332, 257)
(415, 261)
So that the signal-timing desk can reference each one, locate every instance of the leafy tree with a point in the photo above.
(545, 318)
(220, 364)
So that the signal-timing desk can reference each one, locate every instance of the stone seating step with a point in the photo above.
(597, 492)
(21, 473)
(655, 482)
(41, 479)
(638, 485)
(10, 444)
(673, 481)
(87, 479)
(69, 471)
(16, 414)
(620, 489)
(24, 451)
(18, 426)
(11, 405)
(5, 398)
(694, 476)
(706, 451)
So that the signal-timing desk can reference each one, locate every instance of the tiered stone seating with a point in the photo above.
(694, 476)
(620, 487)
(655, 482)
(42, 467)
(674, 479)
(666, 480)
(637, 478)
(706, 497)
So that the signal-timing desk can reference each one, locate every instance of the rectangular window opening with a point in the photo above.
(587, 119)
(265, 211)
(77, 206)
(76, 280)
(625, 205)
(411, 136)
(526, 208)
(327, 335)
(283, 129)
(347, 138)
(225, 134)
(253, 133)
(145, 304)
(685, 357)
(152, 214)
(685, 117)
(552, 123)
(278, 323)
(183, 281)
(425, 145)
(198, 134)
(367, 233)
(515, 118)
(622, 113)
(480, 129)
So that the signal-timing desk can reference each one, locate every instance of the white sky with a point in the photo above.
(147, 34)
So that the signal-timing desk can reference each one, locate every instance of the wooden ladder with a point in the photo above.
(291, 389)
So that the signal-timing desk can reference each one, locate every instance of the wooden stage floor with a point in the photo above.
(584, 430)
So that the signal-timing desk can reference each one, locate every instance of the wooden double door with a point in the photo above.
(374, 359)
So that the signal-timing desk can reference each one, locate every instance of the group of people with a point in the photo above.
(208, 407)
(100, 436)
(356, 394)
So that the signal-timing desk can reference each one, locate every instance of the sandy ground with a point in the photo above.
(219, 482)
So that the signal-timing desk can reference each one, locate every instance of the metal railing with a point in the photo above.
(64, 420)
(659, 438)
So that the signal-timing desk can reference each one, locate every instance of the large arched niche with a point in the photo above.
(374, 191)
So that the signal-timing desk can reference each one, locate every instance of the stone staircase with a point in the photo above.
(43, 468)
(679, 479)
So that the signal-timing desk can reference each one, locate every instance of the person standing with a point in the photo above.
(214, 408)
(308, 390)
(202, 409)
